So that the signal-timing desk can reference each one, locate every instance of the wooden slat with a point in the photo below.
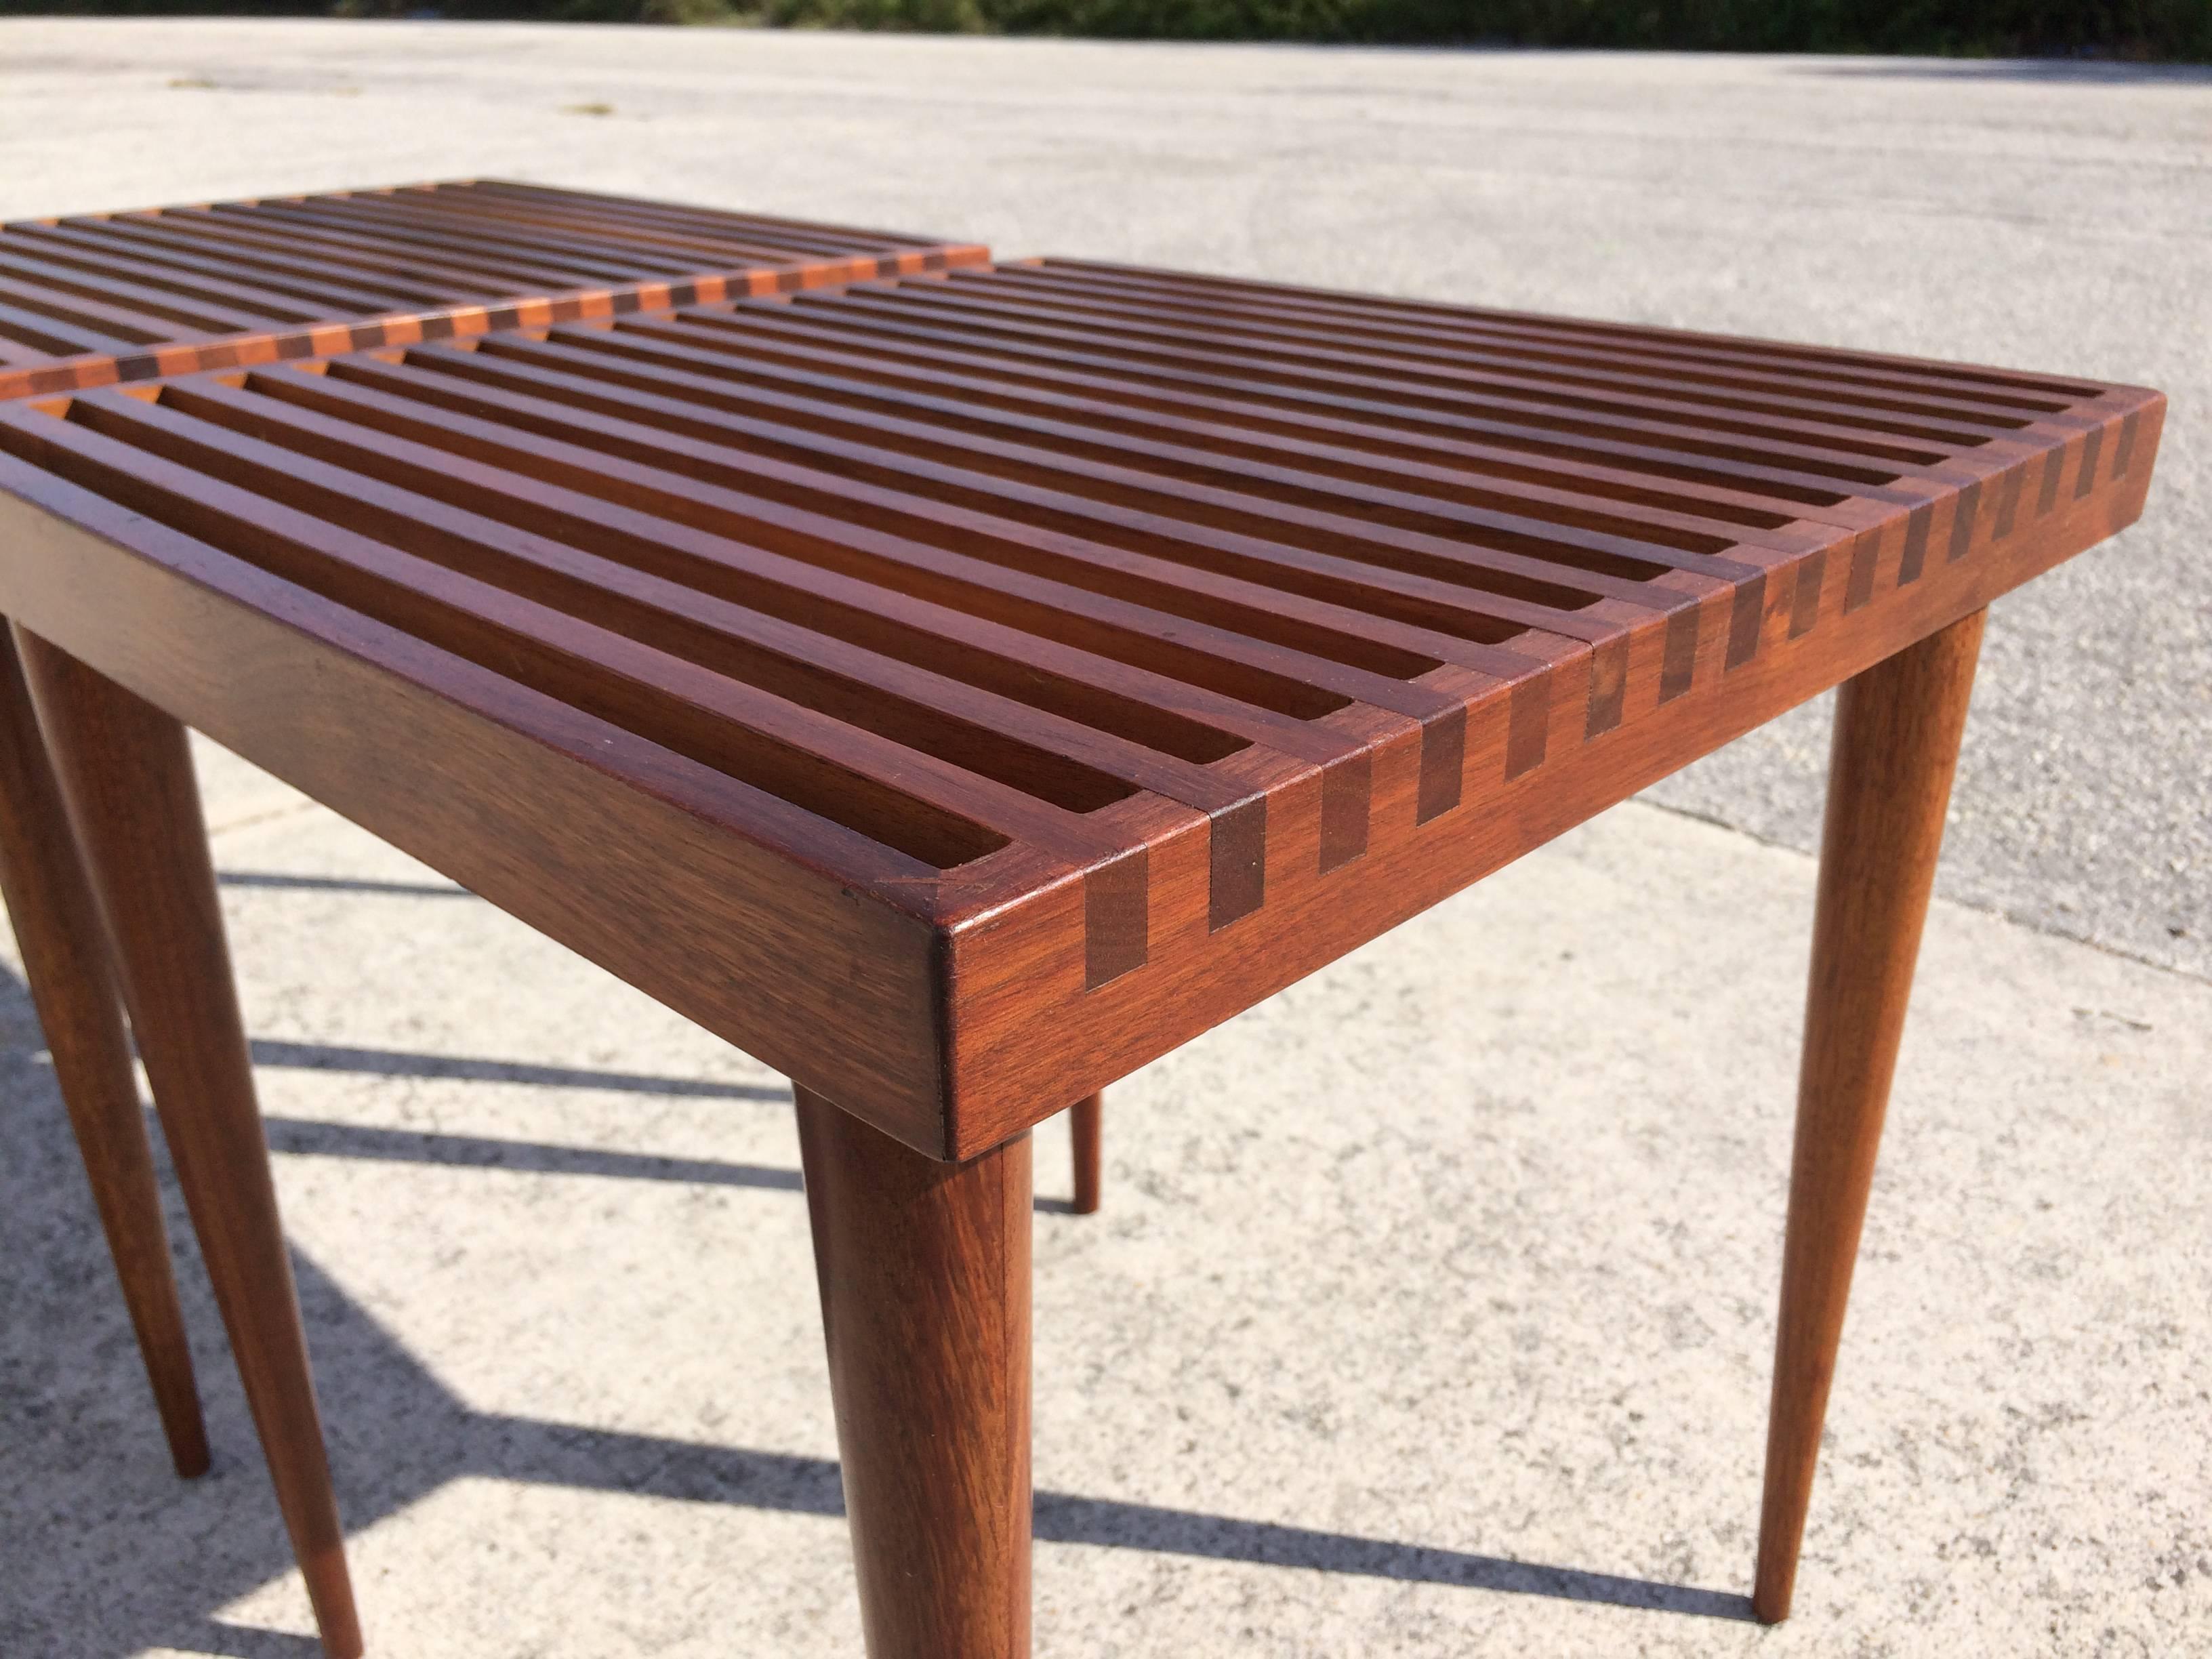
(1695, 397)
(1450, 319)
(1662, 359)
(815, 235)
(37, 336)
(1141, 641)
(569, 231)
(1776, 469)
(1308, 657)
(929, 352)
(1323, 449)
(508, 255)
(93, 300)
(19, 264)
(169, 264)
(417, 279)
(1816, 445)
(1169, 715)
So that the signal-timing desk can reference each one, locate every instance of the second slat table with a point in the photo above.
(96, 300)
(92, 299)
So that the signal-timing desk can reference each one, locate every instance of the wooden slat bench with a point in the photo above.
(959, 691)
(103, 298)
(94, 299)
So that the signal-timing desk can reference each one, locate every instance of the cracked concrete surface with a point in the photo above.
(1429, 1312)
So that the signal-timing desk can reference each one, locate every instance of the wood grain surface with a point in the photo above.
(94, 299)
(1086, 1130)
(924, 1270)
(57, 930)
(1001, 677)
(959, 690)
(126, 775)
(97, 299)
(1896, 745)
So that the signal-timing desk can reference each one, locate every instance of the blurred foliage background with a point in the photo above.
(2107, 28)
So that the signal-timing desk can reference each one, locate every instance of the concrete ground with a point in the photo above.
(1430, 1313)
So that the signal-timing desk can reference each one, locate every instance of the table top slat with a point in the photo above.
(409, 273)
(1079, 486)
(1551, 376)
(172, 249)
(935, 354)
(1815, 385)
(1541, 398)
(1789, 463)
(93, 299)
(1310, 658)
(985, 391)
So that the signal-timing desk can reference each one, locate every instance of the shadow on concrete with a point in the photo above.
(1114, 1525)
(264, 879)
(309, 1137)
(397, 1434)
(390, 1062)
(222, 1640)
(596, 1460)
(302, 1137)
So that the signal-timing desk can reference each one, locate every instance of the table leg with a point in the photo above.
(1896, 745)
(1086, 1126)
(126, 774)
(58, 929)
(925, 1279)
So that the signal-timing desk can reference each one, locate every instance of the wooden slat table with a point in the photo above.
(960, 691)
(97, 298)
(103, 298)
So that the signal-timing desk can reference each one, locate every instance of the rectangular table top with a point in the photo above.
(96, 298)
(958, 691)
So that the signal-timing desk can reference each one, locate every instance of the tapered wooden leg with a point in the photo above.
(126, 775)
(1086, 1126)
(1896, 745)
(65, 964)
(925, 1277)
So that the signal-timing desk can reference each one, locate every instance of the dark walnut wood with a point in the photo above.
(101, 298)
(1086, 1129)
(925, 1277)
(1896, 745)
(98, 298)
(57, 930)
(960, 690)
(126, 775)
